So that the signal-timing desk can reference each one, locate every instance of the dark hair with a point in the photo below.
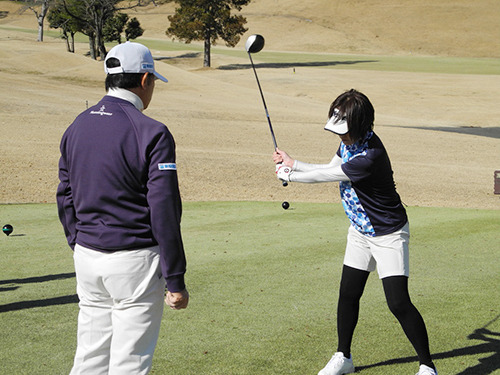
(358, 112)
(122, 80)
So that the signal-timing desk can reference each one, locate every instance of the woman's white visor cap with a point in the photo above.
(134, 58)
(337, 124)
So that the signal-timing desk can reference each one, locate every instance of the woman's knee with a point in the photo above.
(400, 305)
(397, 296)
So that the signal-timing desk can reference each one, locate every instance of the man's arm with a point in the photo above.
(165, 206)
(65, 206)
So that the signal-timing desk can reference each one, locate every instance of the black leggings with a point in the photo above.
(396, 292)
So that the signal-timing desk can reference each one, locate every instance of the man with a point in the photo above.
(119, 203)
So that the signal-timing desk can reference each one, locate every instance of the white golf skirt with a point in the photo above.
(389, 253)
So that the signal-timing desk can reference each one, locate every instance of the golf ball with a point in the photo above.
(7, 229)
(285, 205)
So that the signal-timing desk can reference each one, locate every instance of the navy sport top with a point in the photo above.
(370, 199)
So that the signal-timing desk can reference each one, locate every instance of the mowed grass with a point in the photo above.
(264, 284)
(279, 59)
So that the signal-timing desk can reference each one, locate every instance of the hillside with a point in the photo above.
(441, 129)
(444, 28)
(428, 27)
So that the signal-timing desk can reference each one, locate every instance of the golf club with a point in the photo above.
(254, 44)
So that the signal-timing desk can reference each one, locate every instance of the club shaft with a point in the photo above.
(265, 107)
(264, 102)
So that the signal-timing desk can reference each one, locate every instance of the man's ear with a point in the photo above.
(144, 80)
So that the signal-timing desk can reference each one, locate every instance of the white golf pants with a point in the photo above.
(121, 306)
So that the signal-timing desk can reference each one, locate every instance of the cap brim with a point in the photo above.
(160, 77)
(337, 127)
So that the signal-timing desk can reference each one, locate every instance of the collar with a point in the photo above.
(127, 95)
(361, 143)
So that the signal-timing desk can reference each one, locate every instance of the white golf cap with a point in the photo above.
(336, 124)
(134, 58)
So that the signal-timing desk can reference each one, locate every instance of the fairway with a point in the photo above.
(263, 284)
(264, 281)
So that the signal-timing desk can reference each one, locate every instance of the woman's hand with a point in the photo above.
(282, 157)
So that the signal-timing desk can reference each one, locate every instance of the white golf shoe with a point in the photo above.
(338, 365)
(426, 370)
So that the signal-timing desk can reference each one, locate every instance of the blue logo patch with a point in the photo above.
(167, 166)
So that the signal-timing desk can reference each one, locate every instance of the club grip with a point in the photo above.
(284, 183)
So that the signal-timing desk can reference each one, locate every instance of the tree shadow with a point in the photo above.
(39, 279)
(490, 132)
(192, 55)
(293, 64)
(8, 289)
(485, 366)
(73, 298)
(40, 302)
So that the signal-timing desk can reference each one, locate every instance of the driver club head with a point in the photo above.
(254, 43)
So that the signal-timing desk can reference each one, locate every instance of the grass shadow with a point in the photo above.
(73, 298)
(488, 365)
(192, 55)
(39, 279)
(8, 289)
(490, 132)
(293, 64)
(14, 306)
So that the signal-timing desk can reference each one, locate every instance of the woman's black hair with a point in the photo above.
(122, 80)
(358, 112)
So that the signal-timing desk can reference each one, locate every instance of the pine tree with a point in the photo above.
(207, 20)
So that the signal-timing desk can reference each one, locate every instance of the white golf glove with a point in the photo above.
(283, 172)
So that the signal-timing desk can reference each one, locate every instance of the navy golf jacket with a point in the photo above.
(118, 185)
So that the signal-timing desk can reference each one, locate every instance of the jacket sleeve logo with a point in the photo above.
(167, 166)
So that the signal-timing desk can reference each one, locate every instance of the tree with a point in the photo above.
(133, 29)
(114, 27)
(59, 19)
(94, 15)
(207, 20)
(39, 14)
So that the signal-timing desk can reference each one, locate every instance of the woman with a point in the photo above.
(379, 232)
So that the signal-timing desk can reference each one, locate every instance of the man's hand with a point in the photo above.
(177, 300)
